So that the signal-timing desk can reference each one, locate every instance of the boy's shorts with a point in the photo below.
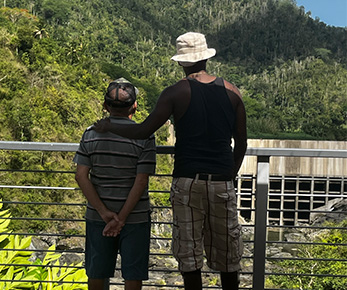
(101, 252)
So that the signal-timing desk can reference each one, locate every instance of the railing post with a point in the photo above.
(262, 189)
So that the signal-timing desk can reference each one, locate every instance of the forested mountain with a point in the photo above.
(57, 57)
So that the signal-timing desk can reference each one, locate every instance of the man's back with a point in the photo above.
(204, 132)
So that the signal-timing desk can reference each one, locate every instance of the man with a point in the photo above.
(208, 113)
(112, 172)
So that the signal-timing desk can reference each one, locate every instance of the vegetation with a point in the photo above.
(18, 271)
(57, 58)
(330, 245)
(304, 98)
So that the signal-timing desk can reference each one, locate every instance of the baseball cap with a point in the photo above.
(125, 100)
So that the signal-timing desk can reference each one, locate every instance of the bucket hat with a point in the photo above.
(192, 47)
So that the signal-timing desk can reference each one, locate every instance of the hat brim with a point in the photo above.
(196, 56)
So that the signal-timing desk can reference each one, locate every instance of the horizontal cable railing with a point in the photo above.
(262, 203)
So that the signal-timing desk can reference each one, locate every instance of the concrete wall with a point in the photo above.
(295, 165)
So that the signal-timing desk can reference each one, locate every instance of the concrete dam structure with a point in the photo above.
(301, 184)
(303, 166)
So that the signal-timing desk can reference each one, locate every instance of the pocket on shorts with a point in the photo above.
(225, 191)
(227, 196)
(236, 244)
(175, 241)
(179, 194)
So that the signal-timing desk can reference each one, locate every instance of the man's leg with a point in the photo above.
(98, 284)
(188, 222)
(230, 281)
(222, 235)
(192, 280)
(133, 284)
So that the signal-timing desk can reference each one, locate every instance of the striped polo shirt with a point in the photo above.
(114, 163)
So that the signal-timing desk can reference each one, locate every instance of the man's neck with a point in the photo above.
(198, 67)
(196, 74)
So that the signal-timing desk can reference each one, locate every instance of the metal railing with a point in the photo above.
(68, 200)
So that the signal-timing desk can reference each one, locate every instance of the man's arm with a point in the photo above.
(240, 127)
(88, 189)
(240, 137)
(161, 113)
(140, 184)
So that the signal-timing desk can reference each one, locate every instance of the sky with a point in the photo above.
(331, 12)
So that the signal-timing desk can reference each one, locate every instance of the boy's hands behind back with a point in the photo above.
(113, 228)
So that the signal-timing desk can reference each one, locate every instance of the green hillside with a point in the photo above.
(58, 56)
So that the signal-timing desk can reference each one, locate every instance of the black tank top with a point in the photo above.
(203, 134)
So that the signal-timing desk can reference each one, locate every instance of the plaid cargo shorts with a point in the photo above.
(205, 218)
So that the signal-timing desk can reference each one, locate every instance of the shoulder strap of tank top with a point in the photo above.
(219, 81)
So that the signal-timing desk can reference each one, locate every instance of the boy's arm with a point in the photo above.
(140, 184)
(88, 189)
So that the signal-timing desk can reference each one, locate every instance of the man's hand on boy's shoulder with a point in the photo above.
(102, 125)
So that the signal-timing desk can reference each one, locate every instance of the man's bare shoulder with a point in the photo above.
(178, 89)
(182, 84)
(231, 87)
